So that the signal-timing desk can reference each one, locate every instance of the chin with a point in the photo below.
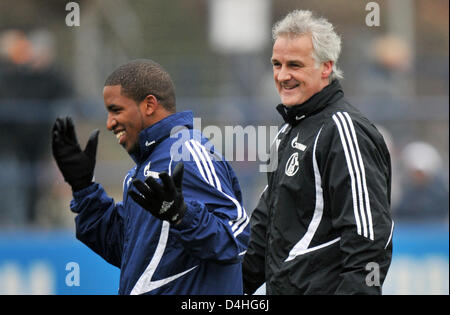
(289, 102)
(290, 99)
(133, 149)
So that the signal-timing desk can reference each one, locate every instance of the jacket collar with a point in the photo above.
(156, 133)
(293, 114)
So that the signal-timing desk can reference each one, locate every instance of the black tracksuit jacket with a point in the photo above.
(323, 223)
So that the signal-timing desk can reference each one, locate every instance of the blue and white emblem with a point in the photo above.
(148, 173)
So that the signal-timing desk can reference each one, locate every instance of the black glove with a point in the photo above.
(77, 166)
(165, 201)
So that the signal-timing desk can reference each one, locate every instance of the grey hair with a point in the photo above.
(326, 43)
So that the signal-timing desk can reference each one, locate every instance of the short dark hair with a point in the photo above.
(142, 77)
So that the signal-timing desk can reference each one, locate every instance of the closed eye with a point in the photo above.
(114, 109)
(275, 63)
(296, 65)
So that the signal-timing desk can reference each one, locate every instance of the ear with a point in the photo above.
(149, 104)
(327, 68)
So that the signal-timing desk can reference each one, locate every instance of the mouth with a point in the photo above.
(120, 136)
(289, 87)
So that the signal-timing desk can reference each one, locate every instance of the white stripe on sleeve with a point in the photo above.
(355, 165)
(197, 161)
(210, 164)
(204, 162)
(363, 175)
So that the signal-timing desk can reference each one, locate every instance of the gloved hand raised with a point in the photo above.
(165, 201)
(76, 166)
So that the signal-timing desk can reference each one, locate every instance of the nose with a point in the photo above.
(283, 74)
(110, 122)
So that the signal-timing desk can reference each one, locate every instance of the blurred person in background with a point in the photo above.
(385, 81)
(391, 65)
(172, 233)
(29, 85)
(324, 216)
(425, 188)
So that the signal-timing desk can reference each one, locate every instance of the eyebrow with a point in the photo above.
(289, 62)
(112, 106)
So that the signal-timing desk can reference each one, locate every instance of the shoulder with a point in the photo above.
(198, 155)
(345, 125)
(190, 145)
(343, 116)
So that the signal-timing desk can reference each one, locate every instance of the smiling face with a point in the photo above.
(296, 74)
(125, 117)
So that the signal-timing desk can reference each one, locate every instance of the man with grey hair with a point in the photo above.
(323, 223)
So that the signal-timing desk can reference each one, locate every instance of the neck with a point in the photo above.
(156, 116)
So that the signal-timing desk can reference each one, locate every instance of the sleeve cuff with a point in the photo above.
(87, 190)
(192, 209)
(80, 195)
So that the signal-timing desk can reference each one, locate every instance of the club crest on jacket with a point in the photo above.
(292, 165)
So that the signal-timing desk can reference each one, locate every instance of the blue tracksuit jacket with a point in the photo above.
(201, 255)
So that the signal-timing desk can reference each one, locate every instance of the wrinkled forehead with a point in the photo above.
(292, 47)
